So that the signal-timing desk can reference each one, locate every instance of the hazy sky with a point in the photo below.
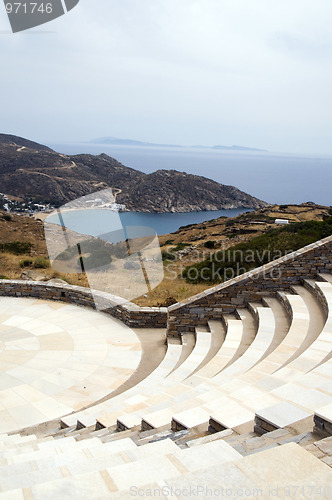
(250, 72)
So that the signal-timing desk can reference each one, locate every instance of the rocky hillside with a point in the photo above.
(30, 170)
(20, 141)
(187, 246)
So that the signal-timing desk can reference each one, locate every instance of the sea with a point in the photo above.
(272, 177)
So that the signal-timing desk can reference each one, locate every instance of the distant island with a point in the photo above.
(239, 148)
(115, 141)
(129, 142)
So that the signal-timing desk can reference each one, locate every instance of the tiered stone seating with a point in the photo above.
(198, 411)
(239, 399)
(162, 405)
(225, 356)
(160, 416)
(133, 396)
(174, 366)
(125, 470)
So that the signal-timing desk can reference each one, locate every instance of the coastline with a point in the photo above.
(97, 220)
(43, 215)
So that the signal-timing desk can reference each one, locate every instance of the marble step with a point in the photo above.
(301, 333)
(81, 460)
(15, 440)
(257, 349)
(323, 420)
(326, 277)
(288, 348)
(261, 474)
(228, 350)
(134, 420)
(162, 458)
(88, 417)
(164, 415)
(193, 362)
(320, 349)
(227, 411)
(129, 419)
(210, 437)
(28, 446)
(49, 447)
(161, 417)
(281, 415)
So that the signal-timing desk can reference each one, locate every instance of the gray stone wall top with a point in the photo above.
(259, 272)
(128, 312)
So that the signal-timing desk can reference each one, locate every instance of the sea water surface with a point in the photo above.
(96, 222)
(273, 177)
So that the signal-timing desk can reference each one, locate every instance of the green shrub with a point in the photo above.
(97, 259)
(2, 277)
(168, 242)
(119, 250)
(16, 247)
(209, 244)
(26, 262)
(41, 263)
(225, 264)
(180, 246)
(167, 255)
(7, 217)
(65, 255)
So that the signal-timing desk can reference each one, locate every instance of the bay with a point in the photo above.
(96, 222)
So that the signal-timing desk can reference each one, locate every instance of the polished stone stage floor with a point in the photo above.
(56, 358)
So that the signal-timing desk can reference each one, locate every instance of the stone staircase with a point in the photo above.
(226, 407)
(67, 468)
(274, 361)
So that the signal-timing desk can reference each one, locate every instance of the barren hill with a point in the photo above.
(30, 170)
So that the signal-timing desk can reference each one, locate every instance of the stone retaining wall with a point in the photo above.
(277, 275)
(131, 314)
(184, 316)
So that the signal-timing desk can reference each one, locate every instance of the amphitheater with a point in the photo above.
(226, 394)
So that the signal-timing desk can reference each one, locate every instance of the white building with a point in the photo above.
(281, 221)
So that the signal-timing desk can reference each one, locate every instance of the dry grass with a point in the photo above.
(224, 232)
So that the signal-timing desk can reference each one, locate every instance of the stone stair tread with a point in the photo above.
(282, 414)
(77, 461)
(211, 437)
(145, 465)
(169, 362)
(258, 347)
(262, 472)
(190, 418)
(326, 277)
(325, 412)
(193, 361)
(158, 418)
(228, 351)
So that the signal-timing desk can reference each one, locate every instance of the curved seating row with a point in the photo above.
(268, 365)
(272, 358)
